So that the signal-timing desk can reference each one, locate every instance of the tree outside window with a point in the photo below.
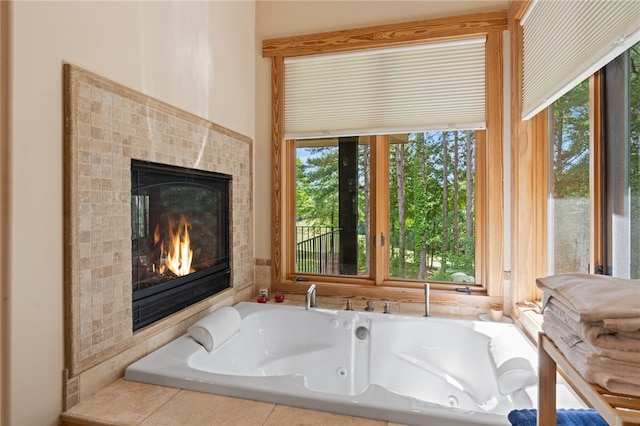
(431, 226)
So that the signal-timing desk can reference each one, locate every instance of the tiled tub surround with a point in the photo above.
(106, 125)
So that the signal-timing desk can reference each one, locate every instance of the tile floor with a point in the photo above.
(131, 403)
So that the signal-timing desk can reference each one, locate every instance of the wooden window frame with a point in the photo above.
(530, 166)
(489, 177)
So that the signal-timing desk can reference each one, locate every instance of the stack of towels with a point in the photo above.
(595, 322)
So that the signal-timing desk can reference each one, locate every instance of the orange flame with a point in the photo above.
(177, 254)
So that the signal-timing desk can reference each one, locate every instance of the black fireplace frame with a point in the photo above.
(150, 304)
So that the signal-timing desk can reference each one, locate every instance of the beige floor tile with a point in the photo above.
(134, 402)
(285, 415)
(105, 373)
(189, 408)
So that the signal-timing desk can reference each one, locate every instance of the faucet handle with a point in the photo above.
(349, 306)
(387, 310)
(310, 297)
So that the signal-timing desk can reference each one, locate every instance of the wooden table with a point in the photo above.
(616, 409)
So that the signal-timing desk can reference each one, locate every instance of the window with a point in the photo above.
(430, 201)
(312, 169)
(621, 163)
(594, 199)
(566, 57)
(569, 208)
(332, 206)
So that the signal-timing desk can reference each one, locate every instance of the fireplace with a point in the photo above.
(179, 238)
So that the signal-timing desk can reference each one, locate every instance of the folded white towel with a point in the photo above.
(562, 335)
(592, 297)
(513, 371)
(601, 340)
(216, 328)
(612, 374)
(624, 325)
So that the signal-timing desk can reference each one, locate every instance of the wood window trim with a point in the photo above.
(529, 168)
(390, 35)
(489, 256)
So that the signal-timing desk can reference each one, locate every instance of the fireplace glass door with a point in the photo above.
(179, 238)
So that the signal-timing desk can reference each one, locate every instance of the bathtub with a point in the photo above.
(398, 368)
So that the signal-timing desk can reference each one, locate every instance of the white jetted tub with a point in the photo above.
(399, 368)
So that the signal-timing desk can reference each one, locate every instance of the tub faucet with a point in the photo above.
(387, 307)
(310, 299)
(426, 299)
(349, 304)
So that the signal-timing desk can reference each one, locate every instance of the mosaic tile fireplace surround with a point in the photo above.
(106, 126)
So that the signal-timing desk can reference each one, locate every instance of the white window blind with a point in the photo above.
(565, 42)
(432, 86)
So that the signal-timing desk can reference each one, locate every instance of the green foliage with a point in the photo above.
(317, 186)
(424, 183)
(423, 252)
(462, 260)
(571, 143)
(441, 274)
(304, 201)
(362, 255)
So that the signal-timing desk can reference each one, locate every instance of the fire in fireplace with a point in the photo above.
(179, 238)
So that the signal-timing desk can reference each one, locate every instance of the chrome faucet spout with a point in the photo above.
(310, 298)
(427, 291)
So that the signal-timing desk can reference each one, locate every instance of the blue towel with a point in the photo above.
(566, 417)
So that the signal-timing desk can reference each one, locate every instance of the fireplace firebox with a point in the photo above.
(179, 238)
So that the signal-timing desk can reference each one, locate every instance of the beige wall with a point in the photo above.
(198, 56)
(290, 18)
